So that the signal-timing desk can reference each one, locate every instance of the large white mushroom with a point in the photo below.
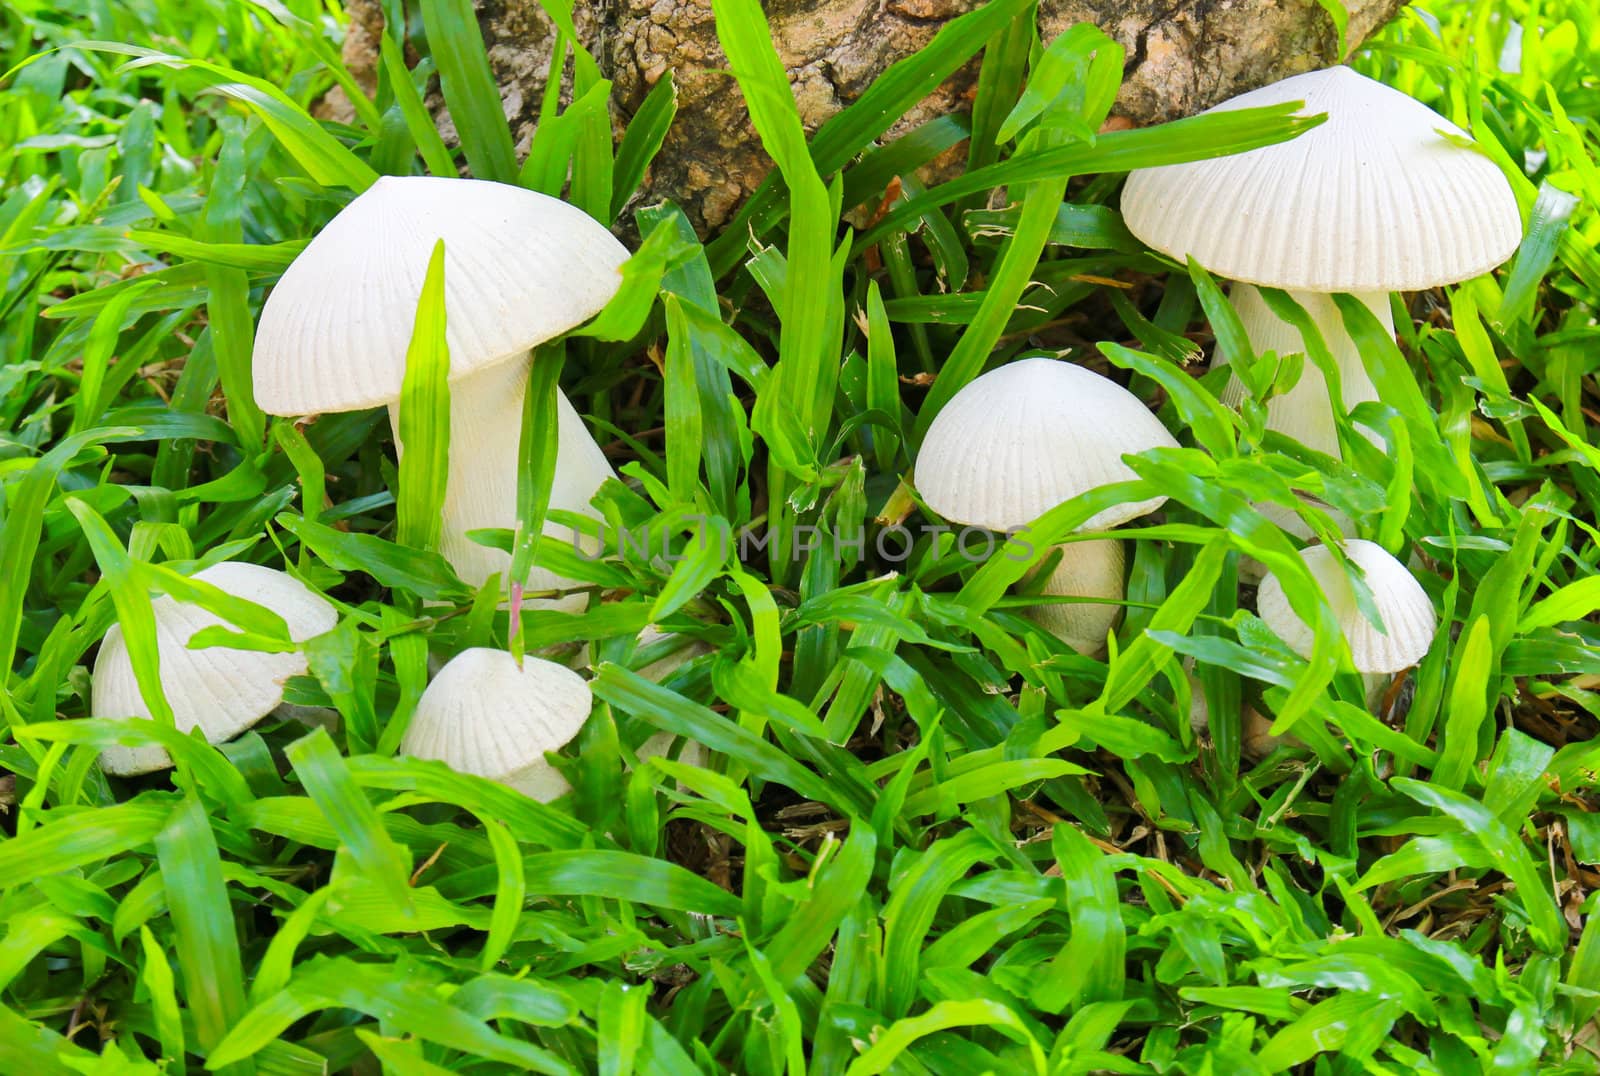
(1025, 437)
(483, 715)
(1384, 196)
(520, 268)
(1377, 651)
(220, 690)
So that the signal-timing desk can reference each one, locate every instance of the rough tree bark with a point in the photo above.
(1183, 56)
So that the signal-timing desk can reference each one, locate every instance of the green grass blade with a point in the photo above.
(26, 501)
(435, 154)
(470, 93)
(425, 417)
(328, 782)
(536, 461)
(325, 159)
(642, 141)
(510, 893)
(38, 1050)
(79, 839)
(1469, 682)
(854, 128)
(682, 406)
(668, 710)
(132, 602)
(807, 297)
(202, 918)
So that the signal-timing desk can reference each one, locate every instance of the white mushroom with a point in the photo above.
(220, 690)
(520, 269)
(1384, 196)
(1406, 611)
(483, 715)
(1025, 437)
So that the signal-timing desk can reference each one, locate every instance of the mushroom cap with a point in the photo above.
(483, 715)
(220, 690)
(1025, 437)
(1377, 198)
(1405, 608)
(520, 268)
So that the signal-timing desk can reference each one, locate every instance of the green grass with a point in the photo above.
(930, 840)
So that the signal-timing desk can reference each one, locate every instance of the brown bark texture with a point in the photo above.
(1182, 56)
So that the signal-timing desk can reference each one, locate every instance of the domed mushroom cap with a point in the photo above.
(220, 690)
(1405, 608)
(1377, 198)
(1027, 436)
(520, 267)
(483, 715)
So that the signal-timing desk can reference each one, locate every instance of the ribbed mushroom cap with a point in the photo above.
(1025, 437)
(219, 690)
(520, 268)
(482, 715)
(1377, 198)
(1407, 612)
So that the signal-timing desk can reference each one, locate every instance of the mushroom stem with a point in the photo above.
(1252, 571)
(1305, 412)
(1092, 569)
(481, 486)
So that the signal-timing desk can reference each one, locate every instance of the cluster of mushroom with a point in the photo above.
(520, 268)
(1384, 196)
(483, 714)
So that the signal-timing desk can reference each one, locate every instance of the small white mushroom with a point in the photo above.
(482, 715)
(1409, 622)
(220, 690)
(1384, 196)
(520, 268)
(1025, 437)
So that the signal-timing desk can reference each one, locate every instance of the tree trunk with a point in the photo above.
(1183, 56)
